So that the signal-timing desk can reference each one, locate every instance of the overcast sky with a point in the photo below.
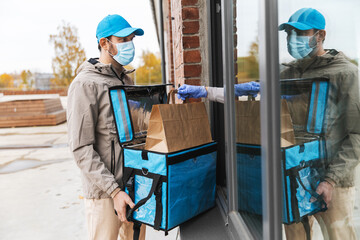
(25, 26)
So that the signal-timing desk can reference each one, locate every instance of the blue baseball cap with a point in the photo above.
(115, 25)
(305, 19)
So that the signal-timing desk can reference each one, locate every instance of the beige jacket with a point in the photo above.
(342, 111)
(91, 128)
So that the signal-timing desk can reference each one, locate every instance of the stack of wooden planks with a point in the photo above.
(31, 112)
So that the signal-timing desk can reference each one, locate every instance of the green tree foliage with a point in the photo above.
(6, 81)
(248, 67)
(150, 71)
(68, 54)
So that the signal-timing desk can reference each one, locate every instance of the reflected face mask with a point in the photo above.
(125, 52)
(298, 46)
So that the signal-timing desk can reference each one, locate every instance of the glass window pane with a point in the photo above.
(247, 106)
(319, 53)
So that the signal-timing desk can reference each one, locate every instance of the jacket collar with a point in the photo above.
(315, 62)
(105, 68)
(94, 65)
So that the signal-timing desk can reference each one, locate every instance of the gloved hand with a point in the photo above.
(249, 88)
(134, 104)
(190, 91)
(288, 97)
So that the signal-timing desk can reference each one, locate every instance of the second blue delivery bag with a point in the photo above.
(302, 161)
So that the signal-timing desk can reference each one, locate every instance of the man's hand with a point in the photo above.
(325, 189)
(121, 200)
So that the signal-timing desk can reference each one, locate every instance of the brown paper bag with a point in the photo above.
(174, 127)
(248, 123)
(298, 107)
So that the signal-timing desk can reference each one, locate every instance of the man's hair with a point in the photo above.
(99, 47)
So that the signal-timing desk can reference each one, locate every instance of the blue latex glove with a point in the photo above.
(288, 97)
(249, 88)
(134, 104)
(190, 91)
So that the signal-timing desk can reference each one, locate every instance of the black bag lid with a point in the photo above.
(132, 106)
(307, 100)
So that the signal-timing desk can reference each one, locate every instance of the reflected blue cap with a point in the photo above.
(117, 26)
(305, 19)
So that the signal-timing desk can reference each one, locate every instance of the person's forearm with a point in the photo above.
(215, 94)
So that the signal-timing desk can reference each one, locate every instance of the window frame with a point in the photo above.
(270, 124)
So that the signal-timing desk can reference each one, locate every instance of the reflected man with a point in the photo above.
(305, 38)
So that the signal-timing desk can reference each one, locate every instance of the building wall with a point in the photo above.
(204, 37)
(168, 41)
(187, 35)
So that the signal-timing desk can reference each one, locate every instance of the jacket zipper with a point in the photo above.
(112, 157)
(120, 78)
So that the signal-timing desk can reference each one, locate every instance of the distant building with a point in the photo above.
(42, 80)
(17, 82)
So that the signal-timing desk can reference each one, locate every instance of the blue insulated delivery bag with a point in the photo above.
(167, 188)
(301, 171)
(302, 163)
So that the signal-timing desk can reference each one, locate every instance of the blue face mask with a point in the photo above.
(298, 46)
(125, 52)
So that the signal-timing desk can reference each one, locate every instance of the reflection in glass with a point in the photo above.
(140, 100)
(320, 110)
(322, 170)
(247, 109)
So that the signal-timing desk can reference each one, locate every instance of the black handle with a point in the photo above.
(144, 200)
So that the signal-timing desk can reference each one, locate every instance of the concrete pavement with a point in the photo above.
(40, 187)
(41, 196)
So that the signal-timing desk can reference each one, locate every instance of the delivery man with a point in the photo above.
(92, 131)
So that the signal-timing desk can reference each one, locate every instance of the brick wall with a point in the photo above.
(168, 19)
(186, 43)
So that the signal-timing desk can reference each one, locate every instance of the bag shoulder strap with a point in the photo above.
(159, 207)
(306, 224)
(144, 200)
(156, 189)
(136, 228)
(294, 201)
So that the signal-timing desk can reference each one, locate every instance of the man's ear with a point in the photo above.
(322, 35)
(104, 44)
